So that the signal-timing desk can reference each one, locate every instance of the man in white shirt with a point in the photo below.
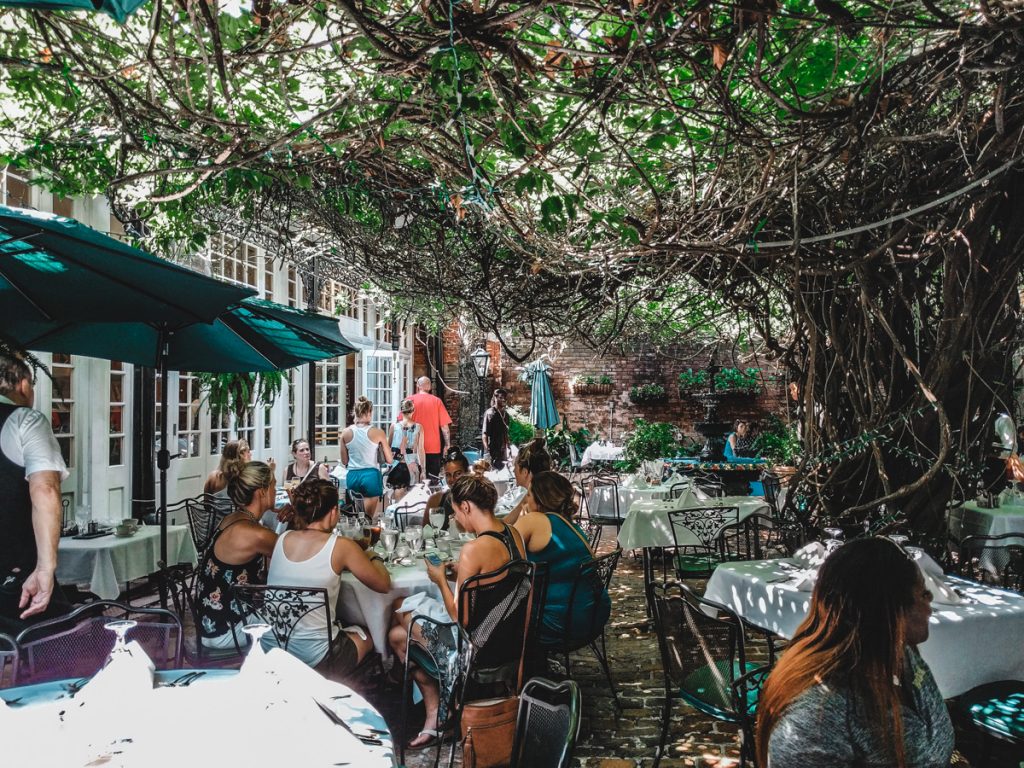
(31, 470)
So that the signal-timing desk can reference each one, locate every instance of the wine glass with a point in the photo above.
(255, 631)
(835, 533)
(898, 539)
(389, 538)
(120, 629)
(437, 518)
(413, 537)
(914, 553)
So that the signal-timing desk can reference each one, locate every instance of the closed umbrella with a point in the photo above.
(255, 335)
(543, 413)
(119, 9)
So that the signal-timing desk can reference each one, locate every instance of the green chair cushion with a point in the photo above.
(997, 708)
(709, 688)
(697, 564)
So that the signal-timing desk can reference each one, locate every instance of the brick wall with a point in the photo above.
(637, 367)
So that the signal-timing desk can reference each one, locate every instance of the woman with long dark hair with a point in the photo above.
(851, 688)
(532, 459)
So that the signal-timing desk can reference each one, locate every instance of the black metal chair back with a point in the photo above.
(998, 559)
(404, 514)
(356, 501)
(9, 653)
(698, 531)
(756, 537)
(495, 610)
(709, 483)
(772, 488)
(78, 644)
(746, 693)
(548, 724)
(282, 607)
(204, 515)
(702, 651)
(591, 584)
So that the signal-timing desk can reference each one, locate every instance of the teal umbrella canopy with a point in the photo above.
(56, 271)
(543, 412)
(119, 9)
(254, 335)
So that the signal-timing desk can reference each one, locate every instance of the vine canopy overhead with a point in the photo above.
(534, 163)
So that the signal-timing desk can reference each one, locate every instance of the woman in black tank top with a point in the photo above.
(473, 499)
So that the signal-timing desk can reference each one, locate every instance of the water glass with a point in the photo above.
(437, 518)
(898, 539)
(413, 537)
(120, 629)
(389, 538)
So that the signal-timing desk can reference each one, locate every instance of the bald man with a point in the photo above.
(433, 416)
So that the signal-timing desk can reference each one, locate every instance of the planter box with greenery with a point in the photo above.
(647, 393)
(592, 385)
(737, 382)
(691, 381)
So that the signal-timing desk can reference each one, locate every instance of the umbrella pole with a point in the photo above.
(163, 461)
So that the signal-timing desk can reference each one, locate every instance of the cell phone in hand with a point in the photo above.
(432, 559)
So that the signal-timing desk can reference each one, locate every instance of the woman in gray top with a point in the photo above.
(851, 688)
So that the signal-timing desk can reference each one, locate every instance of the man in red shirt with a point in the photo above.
(433, 416)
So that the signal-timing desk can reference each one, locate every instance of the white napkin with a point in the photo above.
(810, 555)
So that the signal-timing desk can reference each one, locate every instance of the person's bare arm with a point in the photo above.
(368, 568)
(344, 445)
(517, 510)
(447, 438)
(420, 454)
(44, 490)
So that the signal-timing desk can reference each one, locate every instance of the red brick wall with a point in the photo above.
(644, 367)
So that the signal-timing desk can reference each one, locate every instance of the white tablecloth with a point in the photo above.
(597, 452)
(501, 479)
(647, 524)
(602, 499)
(970, 519)
(358, 604)
(969, 644)
(107, 563)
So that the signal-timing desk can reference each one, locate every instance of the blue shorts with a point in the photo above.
(367, 482)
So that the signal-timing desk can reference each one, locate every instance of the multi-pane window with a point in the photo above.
(188, 415)
(62, 405)
(380, 374)
(241, 263)
(329, 419)
(346, 302)
(220, 429)
(116, 455)
(383, 332)
(245, 427)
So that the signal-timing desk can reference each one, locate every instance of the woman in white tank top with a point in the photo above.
(359, 444)
(312, 555)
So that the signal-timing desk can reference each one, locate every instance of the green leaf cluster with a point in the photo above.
(649, 441)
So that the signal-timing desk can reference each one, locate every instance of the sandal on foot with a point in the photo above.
(433, 741)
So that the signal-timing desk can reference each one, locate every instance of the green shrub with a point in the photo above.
(691, 379)
(558, 440)
(649, 440)
(735, 380)
(646, 393)
(520, 430)
(777, 441)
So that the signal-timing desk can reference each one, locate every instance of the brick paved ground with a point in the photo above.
(628, 739)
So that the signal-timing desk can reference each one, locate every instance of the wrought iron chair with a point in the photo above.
(702, 653)
(591, 584)
(754, 538)
(9, 653)
(998, 559)
(576, 469)
(178, 581)
(77, 644)
(602, 520)
(204, 515)
(282, 607)
(482, 652)
(547, 725)
(404, 513)
(356, 501)
(772, 486)
(709, 483)
(696, 533)
(746, 693)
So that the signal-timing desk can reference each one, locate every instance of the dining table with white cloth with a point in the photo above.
(601, 452)
(647, 523)
(972, 520)
(975, 641)
(275, 711)
(107, 563)
(358, 604)
(602, 499)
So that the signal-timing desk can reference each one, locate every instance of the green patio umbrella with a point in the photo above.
(254, 335)
(119, 9)
(543, 413)
(57, 271)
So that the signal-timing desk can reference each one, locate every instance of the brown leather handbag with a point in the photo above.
(488, 730)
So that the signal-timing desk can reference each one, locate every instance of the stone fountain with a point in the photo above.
(711, 429)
